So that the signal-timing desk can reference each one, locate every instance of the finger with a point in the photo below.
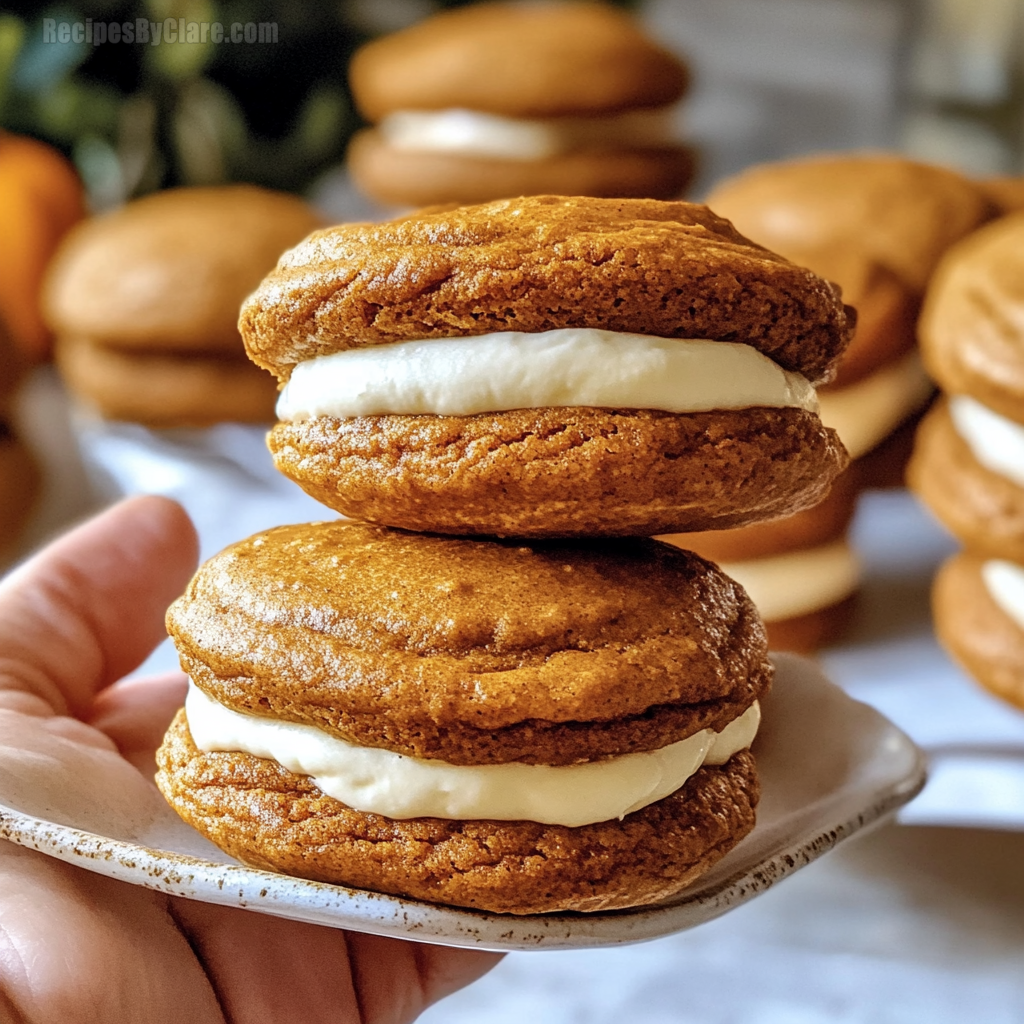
(90, 607)
(75, 946)
(311, 980)
(425, 974)
(135, 714)
(332, 975)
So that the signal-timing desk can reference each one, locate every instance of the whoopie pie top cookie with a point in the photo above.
(520, 60)
(668, 269)
(472, 652)
(144, 301)
(519, 728)
(550, 367)
(972, 324)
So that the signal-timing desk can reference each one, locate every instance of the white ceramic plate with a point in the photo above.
(829, 766)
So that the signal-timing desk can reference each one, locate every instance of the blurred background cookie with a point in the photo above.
(20, 477)
(876, 225)
(498, 100)
(979, 617)
(145, 300)
(801, 571)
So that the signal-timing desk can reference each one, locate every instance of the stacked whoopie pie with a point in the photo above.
(877, 225)
(968, 463)
(509, 99)
(494, 691)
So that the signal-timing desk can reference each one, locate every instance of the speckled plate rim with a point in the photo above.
(804, 838)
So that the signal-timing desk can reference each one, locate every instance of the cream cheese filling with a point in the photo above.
(1005, 583)
(996, 442)
(798, 582)
(474, 133)
(866, 413)
(564, 367)
(396, 786)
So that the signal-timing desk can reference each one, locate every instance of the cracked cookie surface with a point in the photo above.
(667, 269)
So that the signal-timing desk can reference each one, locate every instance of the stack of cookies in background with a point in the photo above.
(19, 475)
(499, 99)
(877, 225)
(516, 702)
(144, 303)
(968, 463)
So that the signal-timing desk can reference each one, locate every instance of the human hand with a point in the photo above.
(75, 946)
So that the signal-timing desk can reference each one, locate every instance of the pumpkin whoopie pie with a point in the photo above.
(517, 727)
(144, 302)
(978, 605)
(548, 367)
(801, 572)
(506, 99)
(877, 224)
(968, 463)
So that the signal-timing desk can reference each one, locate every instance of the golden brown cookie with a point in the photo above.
(563, 472)
(472, 651)
(816, 525)
(972, 324)
(145, 302)
(1006, 193)
(876, 224)
(984, 509)
(269, 818)
(399, 178)
(978, 633)
(800, 535)
(20, 481)
(673, 270)
(519, 60)
(166, 389)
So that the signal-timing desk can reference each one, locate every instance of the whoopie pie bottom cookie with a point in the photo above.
(557, 472)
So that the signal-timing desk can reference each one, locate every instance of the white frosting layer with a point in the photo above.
(798, 582)
(996, 442)
(512, 370)
(1005, 583)
(382, 782)
(866, 413)
(475, 133)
